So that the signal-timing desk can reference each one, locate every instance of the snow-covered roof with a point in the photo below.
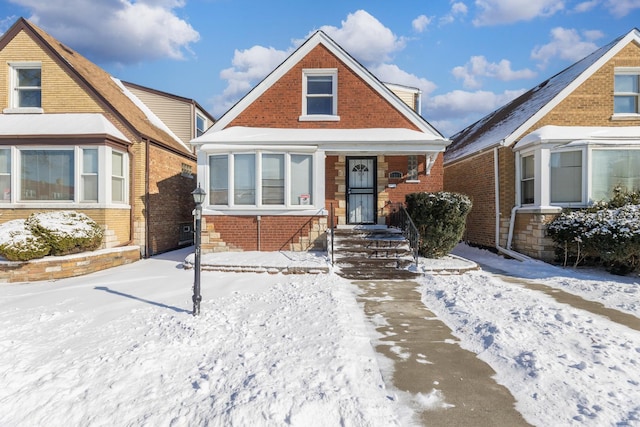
(385, 139)
(505, 125)
(565, 134)
(20, 125)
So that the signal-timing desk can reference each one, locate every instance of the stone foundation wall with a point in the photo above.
(53, 267)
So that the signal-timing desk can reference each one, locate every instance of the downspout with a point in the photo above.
(146, 199)
(507, 251)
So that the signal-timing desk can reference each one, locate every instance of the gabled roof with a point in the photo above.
(504, 126)
(99, 83)
(320, 38)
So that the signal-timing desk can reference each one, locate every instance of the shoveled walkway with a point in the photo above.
(427, 357)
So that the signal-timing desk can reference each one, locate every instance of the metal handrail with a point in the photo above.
(332, 228)
(399, 218)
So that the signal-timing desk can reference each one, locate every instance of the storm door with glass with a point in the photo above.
(361, 190)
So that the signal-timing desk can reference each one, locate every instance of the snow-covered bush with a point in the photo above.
(609, 236)
(55, 233)
(440, 218)
(18, 243)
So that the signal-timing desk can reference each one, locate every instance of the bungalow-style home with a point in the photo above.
(72, 137)
(319, 136)
(566, 143)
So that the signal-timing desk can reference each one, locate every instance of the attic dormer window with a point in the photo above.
(320, 94)
(27, 85)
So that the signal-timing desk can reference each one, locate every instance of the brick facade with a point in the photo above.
(590, 104)
(359, 105)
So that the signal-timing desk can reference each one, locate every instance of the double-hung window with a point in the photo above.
(5, 175)
(27, 85)
(566, 177)
(262, 179)
(89, 177)
(527, 180)
(201, 125)
(320, 94)
(118, 178)
(626, 96)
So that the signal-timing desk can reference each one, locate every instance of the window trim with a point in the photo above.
(522, 179)
(632, 71)
(584, 185)
(258, 205)
(328, 72)
(14, 99)
(104, 187)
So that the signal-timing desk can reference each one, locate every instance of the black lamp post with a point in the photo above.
(198, 196)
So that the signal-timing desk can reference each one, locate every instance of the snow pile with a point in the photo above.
(121, 347)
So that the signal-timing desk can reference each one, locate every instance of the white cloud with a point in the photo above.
(361, 35)
(364, 37)
(496, 12)
(121, 31)
(391, 73)
(621, 8)
(453, 111)
(249, 66)
(458, 9)
(586, 6)
(421, 23)
(566, 44)
(478, 66)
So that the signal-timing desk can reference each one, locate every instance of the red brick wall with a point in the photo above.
(359, 106)
(170, 200)
(427, 183)
(276, 232)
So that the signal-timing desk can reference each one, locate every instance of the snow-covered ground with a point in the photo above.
(120, 347)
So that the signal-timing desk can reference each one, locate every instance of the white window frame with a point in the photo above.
(104, 180)
(14, 98)
(320, 72)
(522, 179)
(584, 180)
(629, 71)
(258, 206)
(199, 131)
(122, 179)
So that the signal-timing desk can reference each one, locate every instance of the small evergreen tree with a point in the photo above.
(440, 218)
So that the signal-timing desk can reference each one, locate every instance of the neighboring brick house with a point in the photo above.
(568, 142)
(73, 137)
(319, 132)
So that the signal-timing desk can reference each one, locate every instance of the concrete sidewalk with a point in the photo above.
(427, 357)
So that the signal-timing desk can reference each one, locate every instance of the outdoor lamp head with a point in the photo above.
(198, 195)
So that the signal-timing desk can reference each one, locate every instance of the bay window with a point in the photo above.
(68, 175)
(260, 179)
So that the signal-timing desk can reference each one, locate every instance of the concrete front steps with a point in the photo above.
(372, 253)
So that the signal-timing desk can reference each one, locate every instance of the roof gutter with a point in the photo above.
(506, 251)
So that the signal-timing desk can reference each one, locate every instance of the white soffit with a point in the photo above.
(595, 134)
(33, 125)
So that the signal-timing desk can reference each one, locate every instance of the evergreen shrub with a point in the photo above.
(440, 218)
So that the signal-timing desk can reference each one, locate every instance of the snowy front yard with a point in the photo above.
(120, 347)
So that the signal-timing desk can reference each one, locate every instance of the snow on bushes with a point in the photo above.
(55, 233)
(440, 218)
(606, 234)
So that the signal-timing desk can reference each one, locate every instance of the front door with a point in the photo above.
(361, 190)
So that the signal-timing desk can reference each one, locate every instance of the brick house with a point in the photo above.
(566, 143)
(72, 137)
(320, 131)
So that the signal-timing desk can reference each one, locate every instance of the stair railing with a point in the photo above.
(331, 228)
(399, 218)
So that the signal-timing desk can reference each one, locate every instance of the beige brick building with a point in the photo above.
(72, 137)
(566, 143)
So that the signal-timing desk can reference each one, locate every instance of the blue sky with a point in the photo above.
(468, 56)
